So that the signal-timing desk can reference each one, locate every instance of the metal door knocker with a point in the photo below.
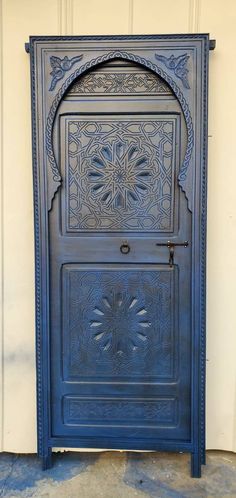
(125, 248)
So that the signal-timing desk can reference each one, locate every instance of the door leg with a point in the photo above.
(196, 464)
(47, 459)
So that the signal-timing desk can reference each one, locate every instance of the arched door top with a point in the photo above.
(91, 64)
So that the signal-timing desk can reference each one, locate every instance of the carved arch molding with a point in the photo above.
(176, 65)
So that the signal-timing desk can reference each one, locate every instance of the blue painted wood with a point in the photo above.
(119, 157)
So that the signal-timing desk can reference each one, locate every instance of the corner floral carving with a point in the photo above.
(178, 65)
(60, 67)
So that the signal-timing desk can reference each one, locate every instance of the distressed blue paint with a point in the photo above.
(165, 475)
(154, 474)
(23, 472)
(136, 477)
(152, 487)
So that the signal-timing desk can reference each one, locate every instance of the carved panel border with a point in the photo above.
(95, 323)
(101, 198)
(154, 412)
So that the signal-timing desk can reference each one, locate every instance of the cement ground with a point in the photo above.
(117, 475)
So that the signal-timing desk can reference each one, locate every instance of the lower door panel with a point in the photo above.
(116, 364)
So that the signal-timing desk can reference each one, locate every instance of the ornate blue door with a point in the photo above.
(121, 351)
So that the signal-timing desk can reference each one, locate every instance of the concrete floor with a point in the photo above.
(117, 475)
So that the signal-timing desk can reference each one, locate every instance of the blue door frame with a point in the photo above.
(181, 61)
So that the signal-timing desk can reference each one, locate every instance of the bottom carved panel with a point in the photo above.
(119, 323)
(125, 411)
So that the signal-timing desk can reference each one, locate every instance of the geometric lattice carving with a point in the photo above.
(120, 175)
(133, 412)
(119, 323)
(120, 83)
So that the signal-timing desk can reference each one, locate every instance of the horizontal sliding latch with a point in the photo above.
(171, 247)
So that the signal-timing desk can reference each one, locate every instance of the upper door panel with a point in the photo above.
(120, 128)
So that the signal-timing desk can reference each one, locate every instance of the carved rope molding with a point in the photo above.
(203, 266)
(38, 278)
(144, 62)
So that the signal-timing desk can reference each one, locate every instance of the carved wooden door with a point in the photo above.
(120, 351)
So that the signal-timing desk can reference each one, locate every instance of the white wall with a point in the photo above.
(21, 18)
